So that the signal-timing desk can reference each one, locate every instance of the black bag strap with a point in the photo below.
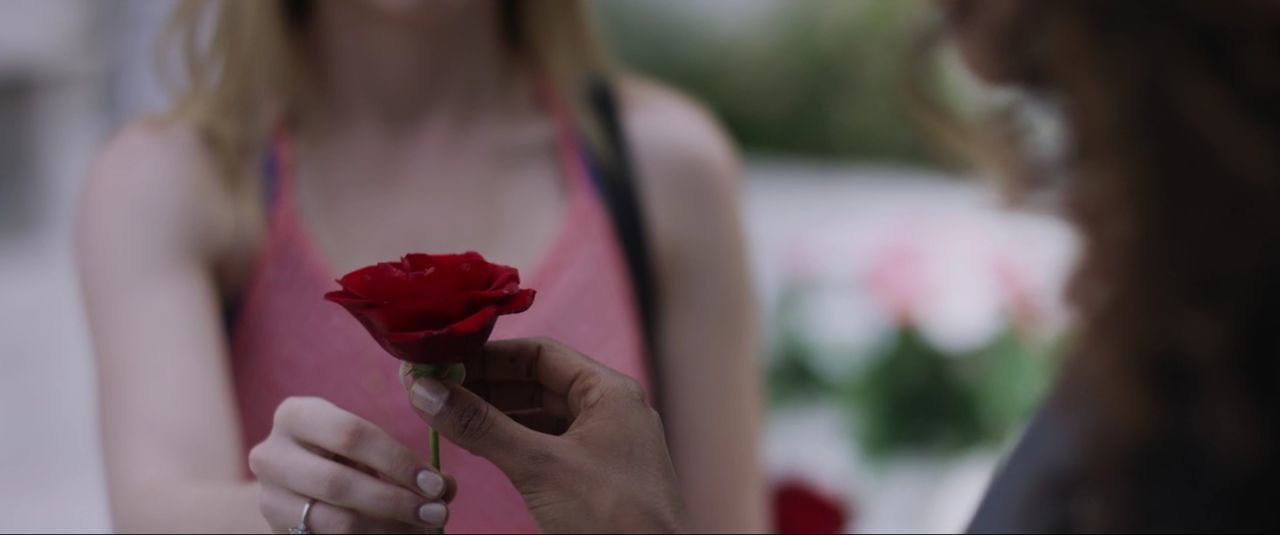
(615, 181)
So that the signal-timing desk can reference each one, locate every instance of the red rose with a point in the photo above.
(798, 508)
(432, 309)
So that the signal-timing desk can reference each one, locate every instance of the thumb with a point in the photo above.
(475, 425)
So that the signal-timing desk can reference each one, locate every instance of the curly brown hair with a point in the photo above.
(1174, 112)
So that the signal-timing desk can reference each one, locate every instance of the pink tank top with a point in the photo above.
(287, 341)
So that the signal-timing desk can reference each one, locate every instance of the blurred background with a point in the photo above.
(910, 314)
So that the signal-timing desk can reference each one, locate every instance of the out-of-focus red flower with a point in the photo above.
(799, 508)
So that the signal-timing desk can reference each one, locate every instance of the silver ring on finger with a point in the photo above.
(302, 528)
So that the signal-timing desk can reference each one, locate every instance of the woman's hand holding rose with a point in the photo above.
(361, 478)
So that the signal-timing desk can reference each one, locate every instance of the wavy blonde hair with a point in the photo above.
(242, 66)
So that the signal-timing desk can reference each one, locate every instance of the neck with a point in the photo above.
(398, 69)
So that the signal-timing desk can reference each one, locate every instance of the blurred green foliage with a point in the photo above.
(909, 396)
(916, 398)
(910, 399)
(791, 376)
(815, 78)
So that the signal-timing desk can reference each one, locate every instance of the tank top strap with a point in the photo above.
(276, 167)
(569, 146)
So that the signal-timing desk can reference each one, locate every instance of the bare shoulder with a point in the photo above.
(670, 131)
(152, 182)
(685, 161)
(153, 159)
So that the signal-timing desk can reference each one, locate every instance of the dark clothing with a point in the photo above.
(1033, 490)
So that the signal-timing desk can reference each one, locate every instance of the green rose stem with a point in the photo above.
(446, 373)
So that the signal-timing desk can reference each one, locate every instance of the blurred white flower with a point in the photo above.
(960, 275)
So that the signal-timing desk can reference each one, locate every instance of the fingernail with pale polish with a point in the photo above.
(428, 395)
(434, 514)
(431, 483)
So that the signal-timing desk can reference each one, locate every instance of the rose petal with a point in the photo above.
(424, 276)
(357, 282)
(470, 324)
(504, 276)
(450, 344)
(420, 262)
(398, 317)
(437, 313)
(346, 298)
(518, 302)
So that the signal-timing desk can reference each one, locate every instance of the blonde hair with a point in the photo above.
(243, 67)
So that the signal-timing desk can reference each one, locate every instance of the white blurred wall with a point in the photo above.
(51, 68)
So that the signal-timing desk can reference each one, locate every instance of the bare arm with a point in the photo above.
(688, 174)
(153, 225)
(149, 225)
